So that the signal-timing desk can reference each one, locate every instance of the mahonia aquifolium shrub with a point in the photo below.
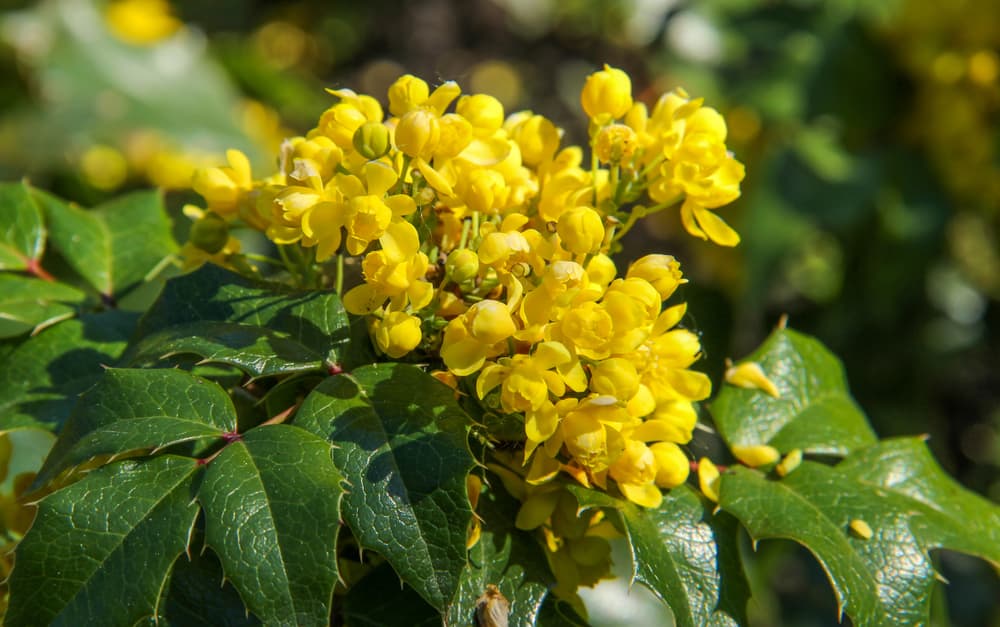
(484, 240)
(309, 458)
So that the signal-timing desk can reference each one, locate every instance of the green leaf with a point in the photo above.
(506, 557)
(113, 246)
(685, 555)
(815, 412)
(315, 319)
(901, 493)
(272, 512)
(257, 351)
(134, 410)
(198, 596)
(22, 233)
(26, 303)
(44, 374)
(400, 439)
(380, 599)
(100, 551)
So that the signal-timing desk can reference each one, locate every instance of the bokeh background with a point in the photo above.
(870, 131)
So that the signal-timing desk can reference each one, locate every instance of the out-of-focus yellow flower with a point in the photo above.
(607, 92)
(141, 22)
(104, 167)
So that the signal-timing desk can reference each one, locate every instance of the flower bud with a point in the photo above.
(462, 265)
(608, 92)
(755, 455)
(371, 140)
(581, 230)
(672, 467)
(209, 233)
(407, 93)
(418, 133)
(663, 272)
(397, 334)
(484, 112)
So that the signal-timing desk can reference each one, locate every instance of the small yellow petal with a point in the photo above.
(751, 376)
(755, 455)
(789, 463)
(708, 479)
(861, 529)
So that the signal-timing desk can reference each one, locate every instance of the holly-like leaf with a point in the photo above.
(272, 512)
(257, 351)
(26, 303)
(100, 551)
(44, 374)
(506, 557)
(113, 246)
(900, 493)
(400, 439)
(815, 412)
(134, 410)
(22, 233)
(315, 319)
(685, 555)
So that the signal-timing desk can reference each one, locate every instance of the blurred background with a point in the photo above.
(870, 130)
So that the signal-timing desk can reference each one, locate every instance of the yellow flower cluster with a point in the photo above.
(485, 243)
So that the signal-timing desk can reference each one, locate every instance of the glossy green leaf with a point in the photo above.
(815, 412)
(506, 557)
(22, 233)
(44, 374)
(26, 303)
(199, 596)
(100, 551)
(400, 439)
(900, 492)
(257, 351)
(113, 246)
(315, 319)
(132, 410)
(272, 512)
(684, 554)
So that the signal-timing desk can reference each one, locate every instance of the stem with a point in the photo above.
(281, 416)
(263, 259)
(465, 233)
(340, 273)
(35, 268)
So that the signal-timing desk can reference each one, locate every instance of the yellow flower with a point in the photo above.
(225, 188)
(755, 455)
(418, 133)
(141, 22)
(635, 472)
(474, 336)
(396, 271)
(581, 230)
(462, 265)
(607, 92)
(397, 333)
(672, 466)
(484, 113)
(615, 143)
(663, 272)
(708, 479)
(536, 136)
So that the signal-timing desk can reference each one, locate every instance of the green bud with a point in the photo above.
(209, 233)
(371, 140)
